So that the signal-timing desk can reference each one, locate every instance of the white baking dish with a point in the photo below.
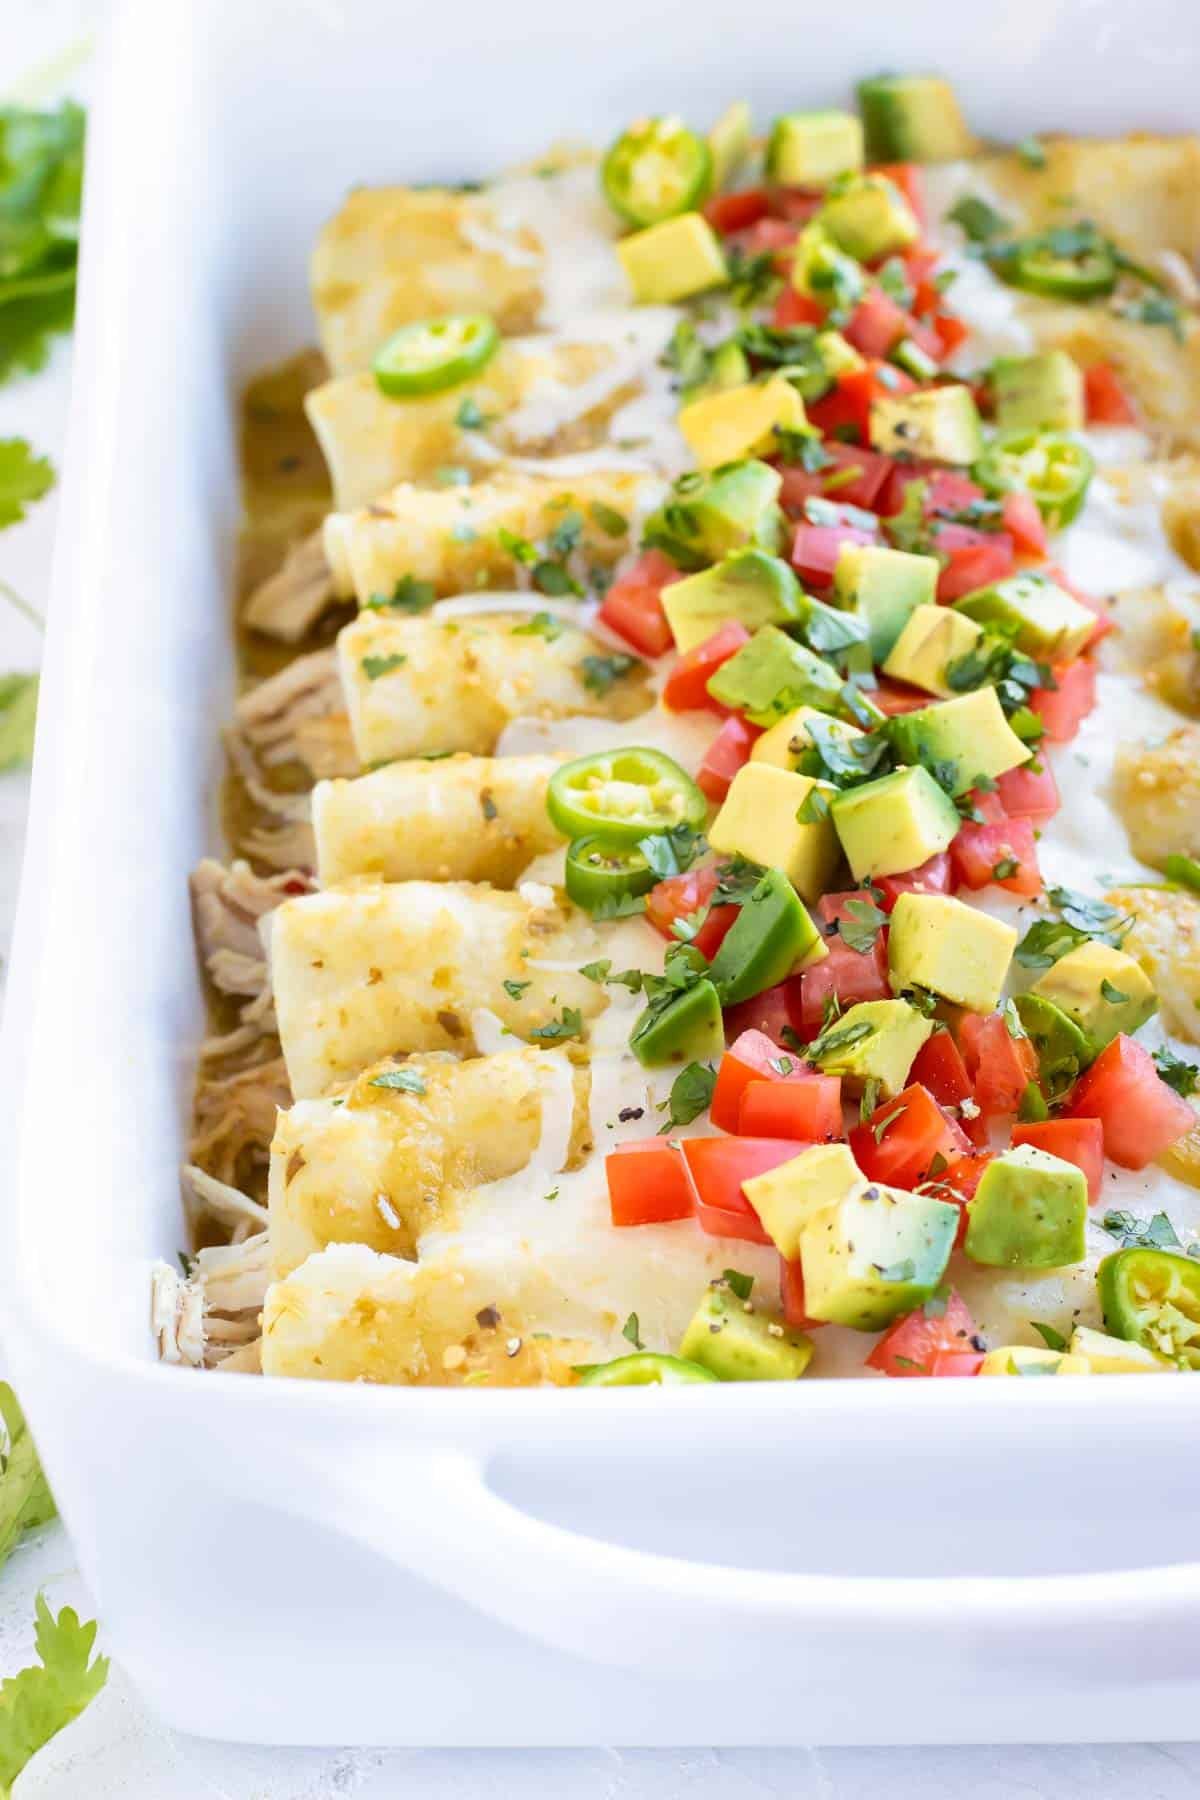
(843, 1563)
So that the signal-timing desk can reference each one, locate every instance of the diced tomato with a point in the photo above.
(871, 471)
(946, 491)
(986, 557)
(852, 975)
(647, 1183)
(939, 1067)
(718, 1167)
(833, 907)
(933, 1340)
(1029, 792)
(1063, 708)
(849, 405)
(877, 324)
(754, 1055)
(775, 235)
(919, 265)
(793, 308)
(735, 212)
(769, 1012)
(903, 1137)
(797, 204)
(633, 607)
(907, 177)
(1078, 1141)
(932, 877)
(981, 855)
(816, 549)
(686, 687)
(791, 1295)
(1000, 1065)
(1141, 1116)
(728, 752)
(951, 332)
(679, 897)
(957, 1184)
(988, 805)
(1024, 524)
(893, 697)
(808, 1108)
(1105, 399)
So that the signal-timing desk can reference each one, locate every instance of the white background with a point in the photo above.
(116, 1749)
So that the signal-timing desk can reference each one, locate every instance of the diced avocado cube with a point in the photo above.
(1046, 621)
(1062, 1050)
(939, 424)
(1106, 1355)
(913, 118)
(786, 1198)
(809, 149)
(963, 738)
(729, 143)
(1038, 393)
(667, 262)
(1031, 1359)
(711, 512)
(826, 273)
(772, 675)
(873, 1041)
(786, 744)
(838, 355)
(741, 421)
(749, 587)
(894, 824)
(689, 1028)
(932, 639)
(759, 821)
(870, 219)
(771, 938)
(884, 587)
(738, 1342)
(1104, 991)
(1028, 1212)
(729, 368)
(950, 949)
(874, 1255)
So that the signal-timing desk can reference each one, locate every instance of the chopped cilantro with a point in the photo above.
(375, 666)
(404, 1081)
(1053, 1340)
(738, 1284)
(409, 595)
(691, 1092)
(569, 1026)
(601, 673)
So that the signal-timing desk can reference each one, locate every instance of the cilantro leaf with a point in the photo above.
(1184, 1077)
(41, 178)
(375, 666)
(404, 1081)
(37, 1703)
(691, 1091)
(18, 717)
(632, 1332)
(1053, 1339)
(1132, 1233)
(600, 673)
(409, 595)
(23, 477)
(569, 1026)
(25, 1497)
(737, 1283)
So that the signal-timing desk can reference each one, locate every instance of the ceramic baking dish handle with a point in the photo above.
(433, 1512)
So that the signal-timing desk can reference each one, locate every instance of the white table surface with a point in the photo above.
(117, 1751)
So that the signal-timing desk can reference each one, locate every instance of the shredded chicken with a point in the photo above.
(233, 1120)
(228, 903)
(289, 603)
(211, 1316)
(270, 716)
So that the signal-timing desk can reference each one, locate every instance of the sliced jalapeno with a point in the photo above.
(1152, 1297)
(654, 170)
(432, 354)
(599, 871)
(647, 1369)
(1055, 470)
(1071, 262)
(623, 795)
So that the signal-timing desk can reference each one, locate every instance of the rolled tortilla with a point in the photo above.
(377, 969)
(462, 680)
(395, 254)
(459, 818)
(452, 536)
(536, 396)
(382, 1166)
